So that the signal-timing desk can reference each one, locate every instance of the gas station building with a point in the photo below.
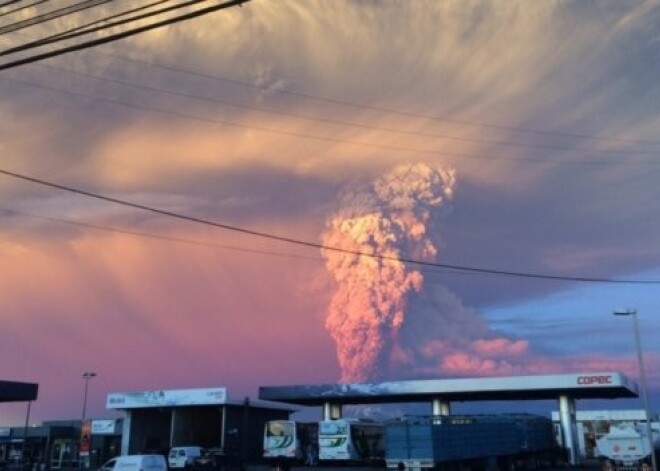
(157, 420)
(440, 393)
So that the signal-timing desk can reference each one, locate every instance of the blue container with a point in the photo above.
(457, 438)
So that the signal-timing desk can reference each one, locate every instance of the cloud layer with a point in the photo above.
(263, 117)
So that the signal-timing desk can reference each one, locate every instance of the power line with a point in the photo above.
(66, 33)
(150, 235)
(332, 121)
(52, 15)
(392, 111)
(9, 2)
(324, 120)
(25, 7)
(86, 29)
(341, 122)
(326, 139)
(581, 136)
(198, 243)
(315, 245)
(121, 35)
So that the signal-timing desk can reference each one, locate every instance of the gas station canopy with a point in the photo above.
(578, 386)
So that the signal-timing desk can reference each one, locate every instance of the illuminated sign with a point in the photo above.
(85, 437)
(165, 398)
(103, 427)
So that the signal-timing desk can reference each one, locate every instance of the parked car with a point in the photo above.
(219, 459)
(211, 458)
(135, 463)
(184, 456)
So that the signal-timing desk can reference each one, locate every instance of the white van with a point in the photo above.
(184, 456)
(135, 463)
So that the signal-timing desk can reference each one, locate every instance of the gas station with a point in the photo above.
(156, 420)
(440, 393)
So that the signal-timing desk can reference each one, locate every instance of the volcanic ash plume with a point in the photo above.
(391, 218)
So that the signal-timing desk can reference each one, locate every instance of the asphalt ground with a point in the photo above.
(587, 466)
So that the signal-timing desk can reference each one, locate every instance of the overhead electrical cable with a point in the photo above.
(9, 2)
(393, 111)
(504, 143)
(341, 122)
(150, 235)
(87, 30)
(199, 243)
(315, 245)
(52, 15)
(338, 122)
(381, 109)
(25, 7)
(224, 122)
(122, 35)
(47, 39)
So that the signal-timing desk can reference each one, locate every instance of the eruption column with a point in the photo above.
(390, 218)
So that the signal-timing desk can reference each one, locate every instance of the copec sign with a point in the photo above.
(594, 380)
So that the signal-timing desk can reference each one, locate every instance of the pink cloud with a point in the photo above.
(148, 314)
(444, 338)
(500, 347)
(504, 357)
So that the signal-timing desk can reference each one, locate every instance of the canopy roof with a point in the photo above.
(578, 386)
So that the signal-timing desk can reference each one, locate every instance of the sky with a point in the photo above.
(506, 136)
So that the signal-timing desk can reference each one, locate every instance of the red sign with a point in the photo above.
(606, 379)
(85, 437)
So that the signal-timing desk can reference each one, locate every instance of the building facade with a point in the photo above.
(155, 421)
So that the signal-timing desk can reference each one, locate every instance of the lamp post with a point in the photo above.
(87, 375)
(84, 429)
(642, 378)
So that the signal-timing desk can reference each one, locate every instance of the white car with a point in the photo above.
(135, 463)
(184, 456)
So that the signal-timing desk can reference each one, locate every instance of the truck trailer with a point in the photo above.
(289, 442)
(625, 447)
(502, 441)
(351, 441)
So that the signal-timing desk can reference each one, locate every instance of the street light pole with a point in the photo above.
(85, 438)
(642, 378)
(87, 375)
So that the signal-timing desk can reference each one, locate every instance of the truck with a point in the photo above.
(625, 446)
(502, 441)
(289, 442)
(351, 441)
